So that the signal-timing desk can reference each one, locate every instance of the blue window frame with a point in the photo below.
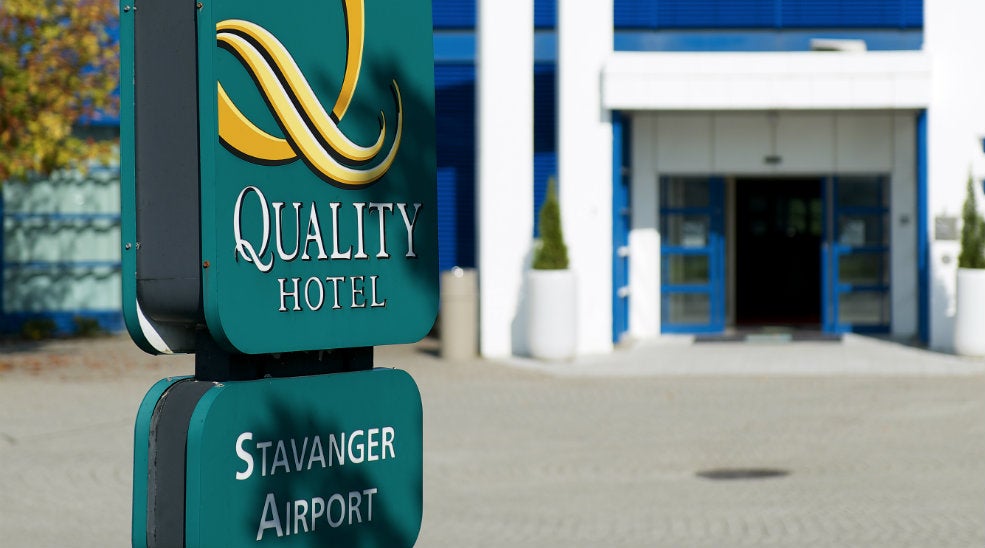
(856, 256)
(692, 280)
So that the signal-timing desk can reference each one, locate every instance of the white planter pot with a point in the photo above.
(969, 328)
(552, 314)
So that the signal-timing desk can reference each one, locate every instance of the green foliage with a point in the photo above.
(87, 327)
(38, 329)
(972, 232)
(551, 253)
(57, 64)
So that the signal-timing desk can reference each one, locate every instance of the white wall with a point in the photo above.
(904, 278)
(585, 34)
(954, 39)
(736, 143)
(766, 80)
(504, 174)
(644, 234)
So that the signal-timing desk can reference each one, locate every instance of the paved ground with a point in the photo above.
(882, 446)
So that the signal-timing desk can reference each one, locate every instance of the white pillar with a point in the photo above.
(585, 33)
(505, 125)
(955, 129)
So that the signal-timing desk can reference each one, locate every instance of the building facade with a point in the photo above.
(721, 164)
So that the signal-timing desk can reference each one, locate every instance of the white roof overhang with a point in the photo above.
(767, 81)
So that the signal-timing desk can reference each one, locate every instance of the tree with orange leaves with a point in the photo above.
(59, 65)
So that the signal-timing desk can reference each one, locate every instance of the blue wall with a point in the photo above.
(455, 129)
(719, 14)
(545, 133)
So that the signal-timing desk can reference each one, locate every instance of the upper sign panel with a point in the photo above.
(318, 174)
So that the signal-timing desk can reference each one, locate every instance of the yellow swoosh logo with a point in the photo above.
(311, 133)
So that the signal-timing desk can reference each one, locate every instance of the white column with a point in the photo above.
(904, 281)
(585, 33)
(644, 238)
(955, 128)
(504, 174)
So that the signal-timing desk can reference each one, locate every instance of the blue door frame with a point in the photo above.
(710, 286)
(854, 257)
(923, 232)
(621, 131)
(840, 248)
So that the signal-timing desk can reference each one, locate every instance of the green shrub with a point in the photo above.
(37, 329)
(87, 327)
(972, 232)
(551, 253)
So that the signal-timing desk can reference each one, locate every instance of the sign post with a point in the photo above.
(279, 220)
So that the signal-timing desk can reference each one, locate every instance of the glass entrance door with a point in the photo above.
(692, 254)
(856, 256)
(778, 232)
(779, 279)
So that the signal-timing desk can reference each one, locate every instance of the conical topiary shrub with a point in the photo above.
(552, 291)
(969, 319)
(551, 254)
(972, 232)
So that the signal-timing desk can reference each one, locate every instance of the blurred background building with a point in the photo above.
(722, 165)
(61, 249)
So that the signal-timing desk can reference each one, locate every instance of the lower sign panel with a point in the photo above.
(327, 460)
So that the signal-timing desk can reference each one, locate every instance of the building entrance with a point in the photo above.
(807, 252)
(779, 230)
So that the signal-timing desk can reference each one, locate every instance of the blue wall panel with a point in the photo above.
(718, 14)
(461, 14)
(545, 134)
(721, 14)
(715, 13)
(761, 39)
(455, 129)
(545, 14)
(912, 13)
(453, 14)
(852, 13)
(635, 14)
(63, 323)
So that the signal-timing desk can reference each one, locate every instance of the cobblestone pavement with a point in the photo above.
(879, 445)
